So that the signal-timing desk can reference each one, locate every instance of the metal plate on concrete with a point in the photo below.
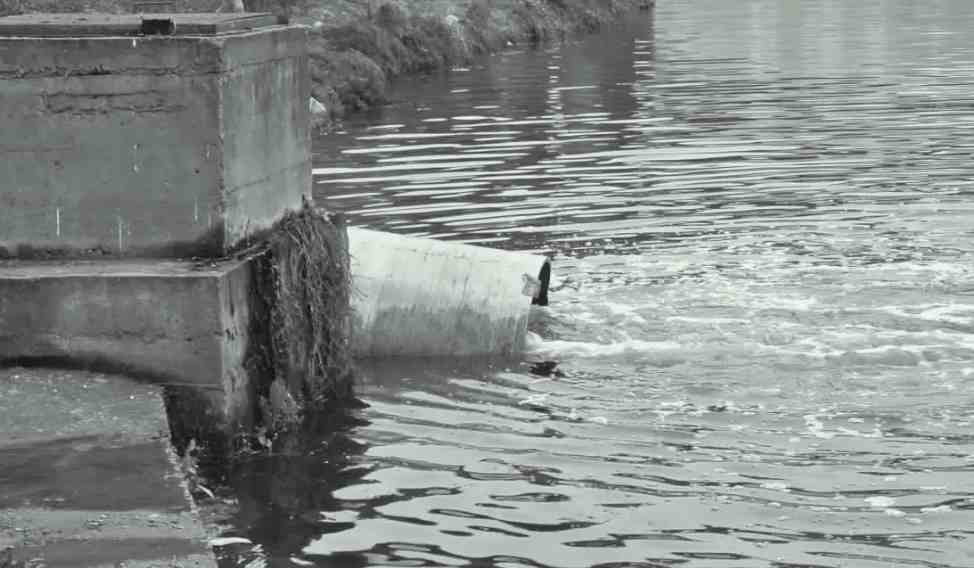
(86, 25)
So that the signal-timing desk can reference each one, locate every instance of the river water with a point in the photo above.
(761, 215)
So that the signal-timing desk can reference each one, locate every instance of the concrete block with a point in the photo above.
(176, 323)
(164, 145)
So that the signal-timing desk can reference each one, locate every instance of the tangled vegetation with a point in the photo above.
(353, 60)
(297, 356)
(301, 317)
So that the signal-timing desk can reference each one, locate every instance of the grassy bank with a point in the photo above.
(354, 58)
(358, 45)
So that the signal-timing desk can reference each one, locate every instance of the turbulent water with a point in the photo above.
(761, 214)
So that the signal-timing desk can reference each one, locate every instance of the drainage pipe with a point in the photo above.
(417, 297)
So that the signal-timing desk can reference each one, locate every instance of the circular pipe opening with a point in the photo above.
(541, 298)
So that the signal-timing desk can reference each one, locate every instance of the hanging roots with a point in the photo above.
(301, 320)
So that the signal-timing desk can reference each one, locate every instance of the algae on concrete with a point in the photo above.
(301, 318)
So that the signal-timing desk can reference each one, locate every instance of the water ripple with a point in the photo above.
(760, 213)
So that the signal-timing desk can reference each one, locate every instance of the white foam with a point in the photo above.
(817, 428)
(937, 509)
(557, 350)
(535, 399)
(880, 501)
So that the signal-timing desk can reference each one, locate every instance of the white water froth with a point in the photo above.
(558, 350)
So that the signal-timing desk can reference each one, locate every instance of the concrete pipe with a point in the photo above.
(416, 297)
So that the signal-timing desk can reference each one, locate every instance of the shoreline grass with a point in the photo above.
(353, 61)
(357, 46)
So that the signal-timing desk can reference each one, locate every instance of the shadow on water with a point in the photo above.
(303, 489)
(284, 497)
(281, 496)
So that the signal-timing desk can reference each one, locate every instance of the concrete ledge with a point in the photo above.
(179, 323)
(87, 476)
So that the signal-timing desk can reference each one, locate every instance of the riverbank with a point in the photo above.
(356, 50)
(357, 46)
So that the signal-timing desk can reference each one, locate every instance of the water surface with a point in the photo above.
(761, 214)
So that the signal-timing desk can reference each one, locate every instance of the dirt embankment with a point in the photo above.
(353, 60)
(358, 45)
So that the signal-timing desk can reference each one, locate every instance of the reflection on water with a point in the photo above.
(763, 306)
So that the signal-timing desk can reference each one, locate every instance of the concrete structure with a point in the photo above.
(125, 138)
(127, 146)
(87, 477)
(114, 142)
(174, 322)
(414, 296)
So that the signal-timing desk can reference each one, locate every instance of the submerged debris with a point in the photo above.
(546, 369)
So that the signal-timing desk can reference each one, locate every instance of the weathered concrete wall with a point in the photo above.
(151, 146)
(174, 322)
(266, 130)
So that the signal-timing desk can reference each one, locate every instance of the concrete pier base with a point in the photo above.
(174, 322)
(202, 150)
(87, 477)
